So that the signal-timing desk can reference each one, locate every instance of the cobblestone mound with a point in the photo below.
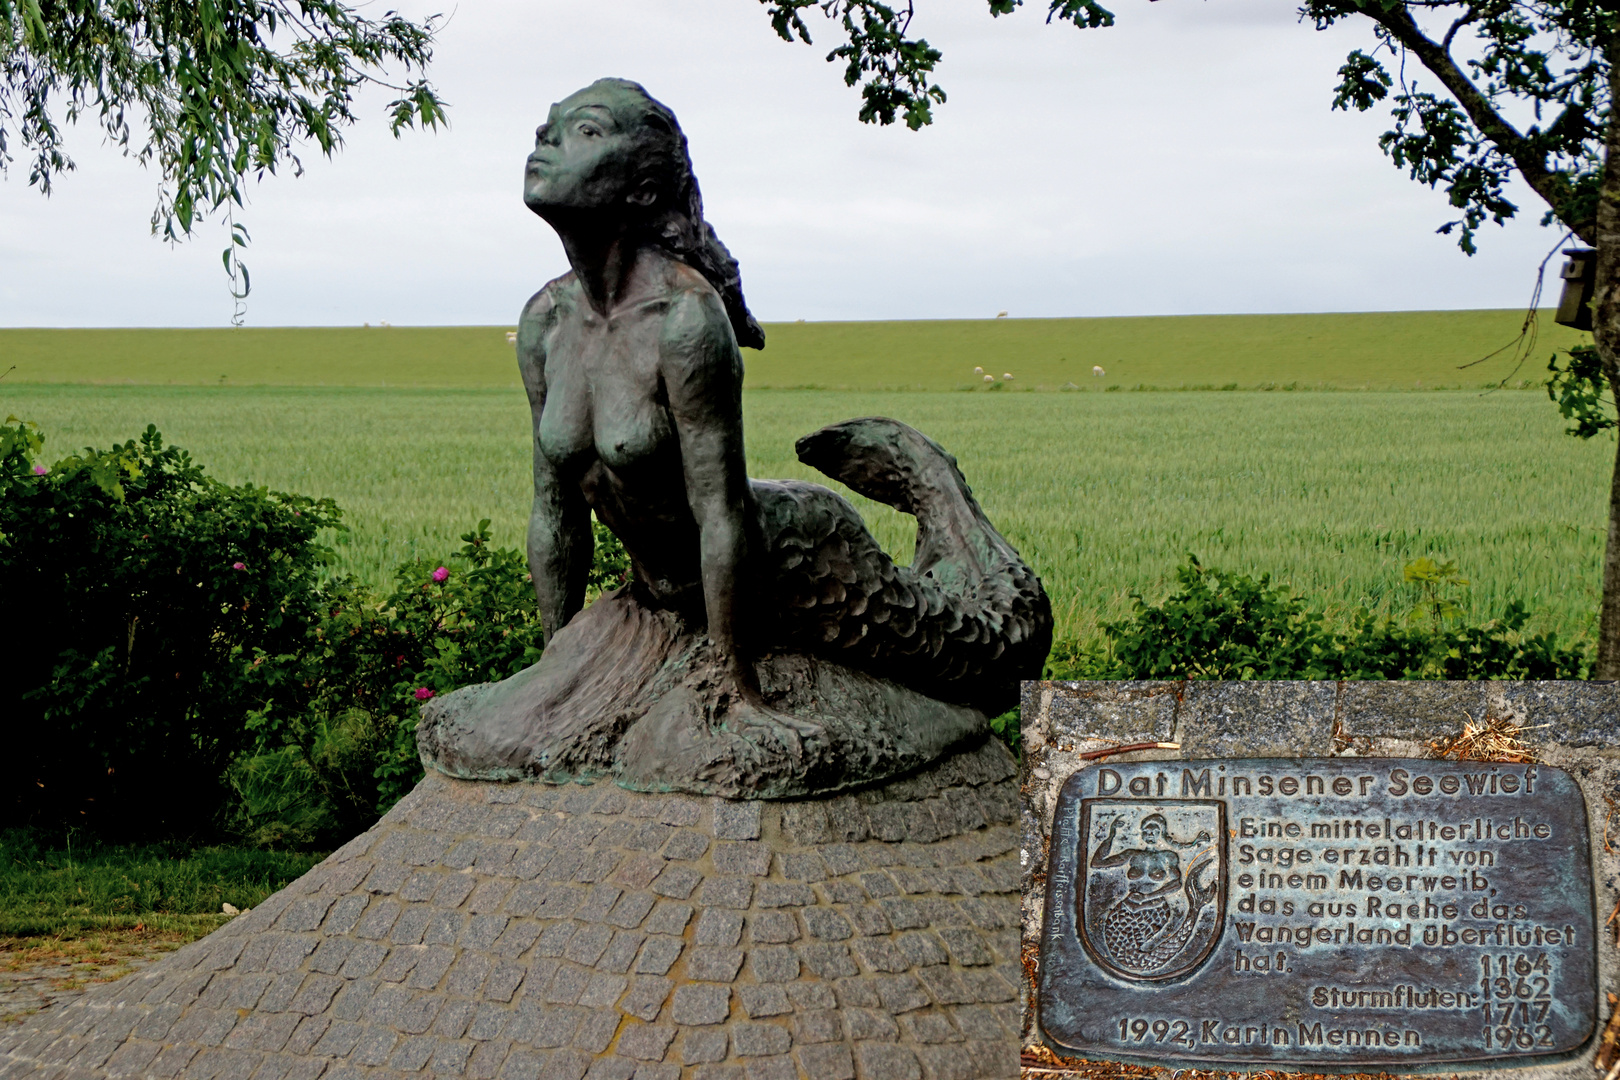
(521, 931)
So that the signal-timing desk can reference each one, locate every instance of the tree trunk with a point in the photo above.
(1606, 335)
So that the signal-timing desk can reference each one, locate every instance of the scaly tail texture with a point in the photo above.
(964, 623)
(1142, 939)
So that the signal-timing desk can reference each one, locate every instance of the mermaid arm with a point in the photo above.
(702, 375)
(560, 544)
(1101, 856)
(1203, 837)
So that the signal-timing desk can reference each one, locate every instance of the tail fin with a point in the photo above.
(980, 610)
(896, 464)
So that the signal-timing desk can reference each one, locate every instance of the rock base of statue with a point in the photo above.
(520, 931)
(625, 692)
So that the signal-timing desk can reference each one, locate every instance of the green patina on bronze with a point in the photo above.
(1320, 914)
(767, 646)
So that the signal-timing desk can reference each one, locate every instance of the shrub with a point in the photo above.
(1221, 625)
(138, 594)
(174, 663)
(336, 743)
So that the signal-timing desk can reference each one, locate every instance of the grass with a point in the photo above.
(60, 887)
(1389, 350)
(1104, 493)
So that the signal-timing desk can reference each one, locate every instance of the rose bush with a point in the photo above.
(176, 660)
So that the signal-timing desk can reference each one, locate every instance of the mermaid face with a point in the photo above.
(584, 154)
(1152, 833)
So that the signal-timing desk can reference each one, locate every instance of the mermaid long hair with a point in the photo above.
(676, 221)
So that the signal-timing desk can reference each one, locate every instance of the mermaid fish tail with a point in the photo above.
(964, 623)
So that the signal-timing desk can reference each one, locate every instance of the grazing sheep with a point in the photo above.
(1008, 375)
(978, 371)
(989, 378)
(1001, 314)
(1096, 369)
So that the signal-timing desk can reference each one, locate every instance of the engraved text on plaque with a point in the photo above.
(1319, 912)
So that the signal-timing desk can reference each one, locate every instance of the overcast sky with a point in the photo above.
(1184, 161)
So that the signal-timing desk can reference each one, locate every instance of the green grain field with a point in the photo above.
(1398, 350)
(1104, 493)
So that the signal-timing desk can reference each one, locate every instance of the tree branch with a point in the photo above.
(1552, 185)
(1462, 20)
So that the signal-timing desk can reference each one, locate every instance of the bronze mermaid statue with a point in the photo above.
(765, 645)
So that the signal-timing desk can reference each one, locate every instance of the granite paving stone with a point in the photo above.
(922, 948)
(453, 1019)
(631, 909)
(726, 892)
(516, 938)
(827, 961)
(773, 927)
(811, 995)
(622, 951)
(557, 1025)
(503, 932)
(677, 881)
(686, 844)
(760, 1040)
(784, 894)
(780, 1067)
(658, 955)
(701, 1004)
(596, 1030)
(881, 1061)
(773, 964)
(668, 918)
(699, 1047)
(748, 857)
(646, 1042)
(868, 919)
(945, 986)
(818, 1026)
(737, 820)
(714, 965)
(827, 1062)
(718, 926)
(727, 1071)
(639, 872)
(647, 996)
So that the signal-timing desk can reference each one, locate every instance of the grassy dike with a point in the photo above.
(1378, 350)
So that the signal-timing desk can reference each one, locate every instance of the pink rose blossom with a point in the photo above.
(423, 693)
(238, 566)
(441, 573)
(40, 470)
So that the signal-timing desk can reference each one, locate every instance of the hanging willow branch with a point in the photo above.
(209, 91)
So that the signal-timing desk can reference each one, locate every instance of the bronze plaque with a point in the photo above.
(1319, 914)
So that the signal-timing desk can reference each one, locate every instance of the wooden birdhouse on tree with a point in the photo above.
(1580, 279)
